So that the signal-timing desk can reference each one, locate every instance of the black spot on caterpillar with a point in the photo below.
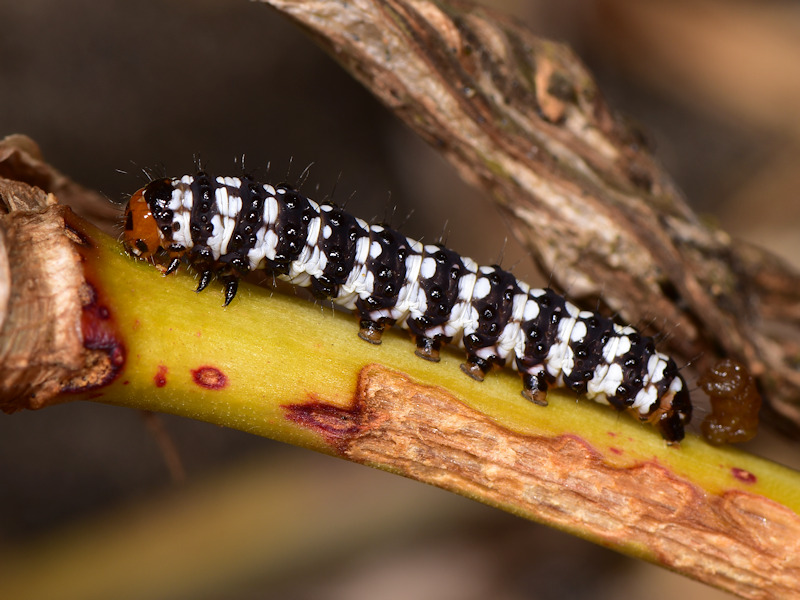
(227, 226)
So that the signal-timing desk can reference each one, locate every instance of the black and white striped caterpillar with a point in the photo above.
(228, 226)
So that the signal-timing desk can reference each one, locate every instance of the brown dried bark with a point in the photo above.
(522, 118)
(42, 286)
(739, 541)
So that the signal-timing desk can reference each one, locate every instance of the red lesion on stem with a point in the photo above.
(336, 424)
(101, 335)
(743, 475)
(210, 378)
(101, 338)
(160, 378)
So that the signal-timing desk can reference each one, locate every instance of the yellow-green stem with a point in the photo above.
(276, 350)
(285, 368)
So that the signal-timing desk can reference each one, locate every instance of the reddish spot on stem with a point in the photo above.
(743, 476)
(99, 333)
(160, 378)
(210, 378)
(336, 424)
(101, 336)
(615, 450)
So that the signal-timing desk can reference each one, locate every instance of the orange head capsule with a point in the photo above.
(141, 237)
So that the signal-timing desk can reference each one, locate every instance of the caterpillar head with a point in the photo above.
(141, 237)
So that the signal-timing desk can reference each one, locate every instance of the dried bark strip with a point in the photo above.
(737, 541)
(53, 335)
(522, 118)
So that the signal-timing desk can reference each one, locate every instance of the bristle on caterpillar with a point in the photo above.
(225, 227)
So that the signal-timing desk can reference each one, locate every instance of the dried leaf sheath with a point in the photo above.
(522, 118)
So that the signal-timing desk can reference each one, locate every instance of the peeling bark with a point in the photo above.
(54, 336)
(736, 541)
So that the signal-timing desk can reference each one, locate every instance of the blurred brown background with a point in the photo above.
(116, 86)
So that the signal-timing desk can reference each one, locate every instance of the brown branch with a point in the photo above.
(43, 291)
(522, 118)
(41, 347)
(425, 433)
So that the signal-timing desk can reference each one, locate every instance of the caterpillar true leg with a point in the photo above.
(205, 278)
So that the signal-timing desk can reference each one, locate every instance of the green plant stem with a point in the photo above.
(296, 371)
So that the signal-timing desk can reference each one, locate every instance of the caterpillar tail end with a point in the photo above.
(672, 422)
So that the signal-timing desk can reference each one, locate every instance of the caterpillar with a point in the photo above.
(225, 227)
